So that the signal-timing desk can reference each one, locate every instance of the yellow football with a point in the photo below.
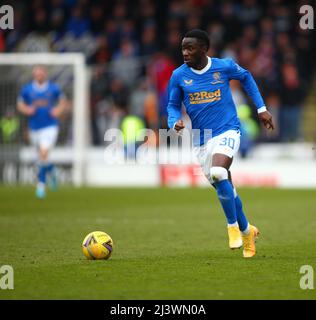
(97, 245)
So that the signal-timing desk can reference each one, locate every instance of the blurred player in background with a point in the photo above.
(202, 85)
(43, 102)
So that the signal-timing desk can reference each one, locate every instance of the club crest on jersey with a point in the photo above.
(188, 82)
(217, 78)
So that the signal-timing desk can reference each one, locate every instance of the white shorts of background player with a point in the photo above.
(44, 138)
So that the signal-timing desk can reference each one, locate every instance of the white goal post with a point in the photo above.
(80, 99)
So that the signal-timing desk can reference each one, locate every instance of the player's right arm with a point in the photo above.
(175, 97)
(23, 104)
(25, 109)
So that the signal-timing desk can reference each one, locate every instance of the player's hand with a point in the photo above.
(179, 125)
(29, 111)
(266, 119)
(55, 112)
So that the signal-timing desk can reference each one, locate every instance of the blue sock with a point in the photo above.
(225, 195)
(241, 218)
(42, 173)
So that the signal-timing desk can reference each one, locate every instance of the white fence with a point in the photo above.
(280, 165)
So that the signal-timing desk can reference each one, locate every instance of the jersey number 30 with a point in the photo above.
(230, 142)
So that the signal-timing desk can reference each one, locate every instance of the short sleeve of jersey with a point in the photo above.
(24, 96)
(58, 93)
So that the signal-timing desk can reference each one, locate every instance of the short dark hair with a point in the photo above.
(201, 35)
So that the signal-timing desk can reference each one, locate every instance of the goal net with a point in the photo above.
(17, 156)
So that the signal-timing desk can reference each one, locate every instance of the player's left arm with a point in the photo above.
(61, 105)
(236, 72)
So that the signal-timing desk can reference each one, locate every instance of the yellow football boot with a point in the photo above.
(249, 242)
(235, 241)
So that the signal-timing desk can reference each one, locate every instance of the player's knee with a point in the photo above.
(219, 174)
(43, 154)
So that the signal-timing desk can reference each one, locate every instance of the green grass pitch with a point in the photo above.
(168, 244)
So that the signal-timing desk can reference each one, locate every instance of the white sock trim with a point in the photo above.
(230, 225)
(41, 185)
(246, 231)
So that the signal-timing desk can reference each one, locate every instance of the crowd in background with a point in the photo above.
(132, 47)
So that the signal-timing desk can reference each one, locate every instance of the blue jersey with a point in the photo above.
(207, 97)
(43, 98)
